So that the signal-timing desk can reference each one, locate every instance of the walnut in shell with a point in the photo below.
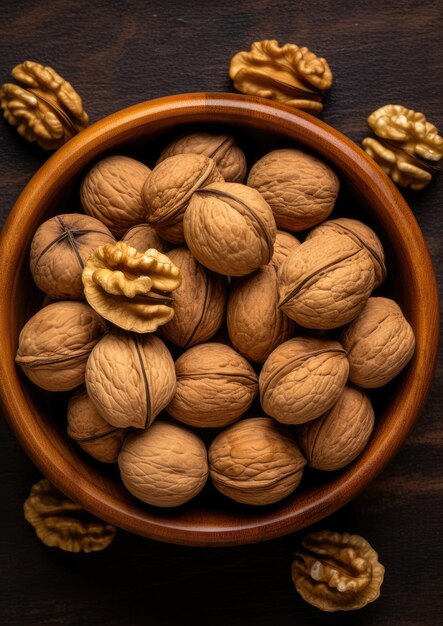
(59, 249)
(61, 523)
(230, 159)
(256, 325)
(303, 378)
(379, 342)
(165, 465)
(325, 282)
(337, 438)
(337, 572)
(215, 386)
(93, 434)
(362, 235)
(55, 343)
(230, 228)
(168, 190)
(199, 302)
(143, 237)
(130, 378)
(283, 244)
(130, 288)
(255, 461)
(111, 192)
(300, 189)
(44, 107)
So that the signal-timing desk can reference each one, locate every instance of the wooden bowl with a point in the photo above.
(211, 519)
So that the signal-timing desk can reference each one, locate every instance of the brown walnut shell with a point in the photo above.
(111, 192)
(230, 159)
(165, 465)
(199, 302)
(55, 343)
(362, 235)
(255, 461)
(337, 438)
(303, 378)
(325, 282)
(283, 244)
(59, 250)
(230, 228)
(256, 326)
(93, 434)
(215, 386)
(380, 343)
(130, 378)
(168, 190)
(300, 189)
(143, 237)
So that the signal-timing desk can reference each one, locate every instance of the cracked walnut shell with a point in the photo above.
(169, 188)
(255, 461)
(230, 228)
(337, 572)
(288, 73)
(230, 159)
(130, 378)
(379, 343)
(199, 302)
(337, 438)
(165, 465)
(300, 189)
(303, 378)
(61, 523)
(59, 250)
(215, 386)
(325, 282)
(93, 434)
(55, 344)
(44, 107)
(130, 288)
(111, 192)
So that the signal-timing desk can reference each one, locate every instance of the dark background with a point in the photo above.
(120, 53)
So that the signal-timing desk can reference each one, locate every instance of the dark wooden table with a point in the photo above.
(120, 53)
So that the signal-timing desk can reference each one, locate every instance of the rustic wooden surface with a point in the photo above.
(117, 54)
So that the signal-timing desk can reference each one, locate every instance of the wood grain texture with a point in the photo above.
(117, 54)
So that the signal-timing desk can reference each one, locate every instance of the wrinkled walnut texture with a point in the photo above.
(143, 237)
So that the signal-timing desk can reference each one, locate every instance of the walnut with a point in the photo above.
(230, 228)
(168, 190)
(337, 572)
(303, 378)
(55, 343)
(143, 237)
(45, 107)
(255, 461)
(165, 466)
(111, 192)
(215, 386)
(300, 189)
(130, 288)
(289, 74)
(256, 326)
(325, 282)
(59, 250)
(379, 342)
(230, 159)
(130, 378)
(337, 438)
(362, 235)
(61, 523)
(86, 426)
(283, 244)
(199, 302)
(407, 145)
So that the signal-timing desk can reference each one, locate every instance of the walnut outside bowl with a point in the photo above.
(212, 520)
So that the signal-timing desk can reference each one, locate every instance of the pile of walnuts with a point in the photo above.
(189, 252)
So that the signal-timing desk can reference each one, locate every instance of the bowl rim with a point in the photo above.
(313, 133)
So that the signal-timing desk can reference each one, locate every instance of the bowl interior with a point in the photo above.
(38, 417)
